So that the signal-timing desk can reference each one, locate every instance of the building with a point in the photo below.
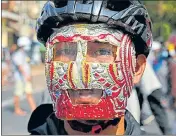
(18, 19)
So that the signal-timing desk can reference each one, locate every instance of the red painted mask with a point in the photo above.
(89, 70)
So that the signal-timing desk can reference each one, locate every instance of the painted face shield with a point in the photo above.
(89, 71)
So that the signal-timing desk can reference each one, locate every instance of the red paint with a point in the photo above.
(107, 85)
(70, 76)
(60, 81)
(109, 107)
(65, 77)
(102, 80)
(114, 88)
(51, 74)
(96, 75)
(62, 38)
(86, 75)
(111, 71)
(103, 110)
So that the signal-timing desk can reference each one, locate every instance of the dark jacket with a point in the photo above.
(44, 122)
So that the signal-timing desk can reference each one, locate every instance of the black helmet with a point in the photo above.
(129, 15)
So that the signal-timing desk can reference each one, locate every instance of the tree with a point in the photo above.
(163, 16)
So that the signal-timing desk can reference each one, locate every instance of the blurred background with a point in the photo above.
(19, 20)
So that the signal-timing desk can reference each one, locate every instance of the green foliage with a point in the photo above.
(162, 29)
(163, 15)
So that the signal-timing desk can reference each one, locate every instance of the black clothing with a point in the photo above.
(44, 122)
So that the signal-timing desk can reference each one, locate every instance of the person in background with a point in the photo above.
(172, 68)
(5, 60)
(13, 48)
(171, 46)
(173, 92)
(158, 59)
(22, 75)
(150, 87)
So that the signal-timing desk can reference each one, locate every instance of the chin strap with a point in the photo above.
(90, 128)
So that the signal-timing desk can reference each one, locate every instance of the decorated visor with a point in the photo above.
(84, 41)
(87, 57)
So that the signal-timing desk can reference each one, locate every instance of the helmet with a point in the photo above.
(23, 41)
(129, 15)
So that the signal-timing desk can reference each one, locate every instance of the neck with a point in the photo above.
(118, 129)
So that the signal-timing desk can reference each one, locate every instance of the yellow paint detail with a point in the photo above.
(68, 76)
(83, 71)
(75, 74)
(81, 28)
(115, 69)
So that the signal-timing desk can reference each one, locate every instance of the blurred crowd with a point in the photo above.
(163, 61)
(158, 86)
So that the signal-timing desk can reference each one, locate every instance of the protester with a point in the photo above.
(158, 59)
(150, 87)
(22, 75)
(96, 51)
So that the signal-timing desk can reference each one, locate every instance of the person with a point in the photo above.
(158, 58)
(171, 46)
(22, 75)
(172, 66)
(5, 60)
(95, 52)
(150, 87)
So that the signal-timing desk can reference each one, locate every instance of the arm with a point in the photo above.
(26, 76)
(18, 60)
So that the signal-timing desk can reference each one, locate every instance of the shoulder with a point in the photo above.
(44, 122)
(39, 116)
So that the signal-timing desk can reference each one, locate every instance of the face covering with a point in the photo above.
(75, 62)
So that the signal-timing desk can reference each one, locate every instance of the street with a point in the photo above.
(17, 125)
(11, 123)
